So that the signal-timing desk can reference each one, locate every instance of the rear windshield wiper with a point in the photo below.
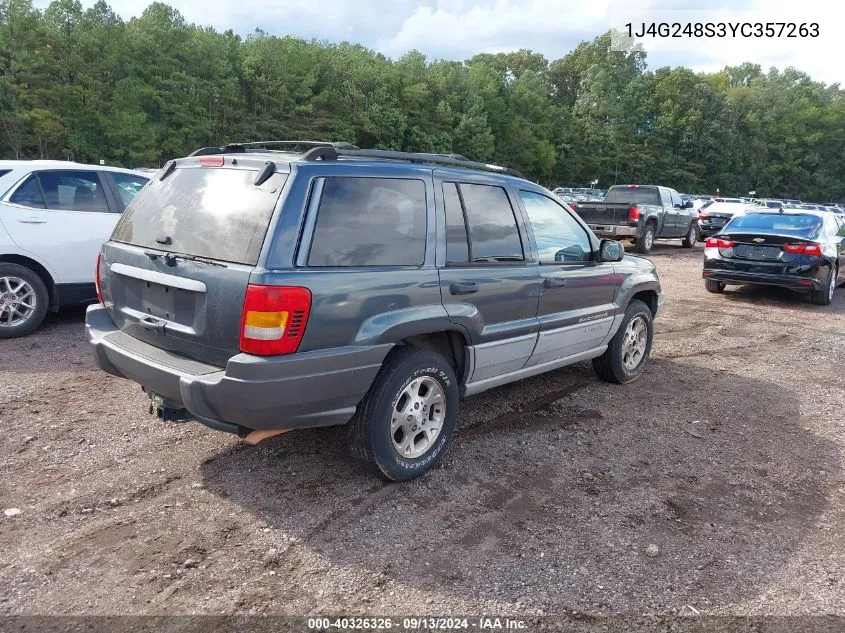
(171, 258)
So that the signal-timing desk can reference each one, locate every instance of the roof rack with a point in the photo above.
(332, 152)
(242, 148)
(328, 150)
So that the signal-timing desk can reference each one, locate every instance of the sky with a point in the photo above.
(458, 29)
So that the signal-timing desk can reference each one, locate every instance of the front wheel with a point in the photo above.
(404, 423)
(629, 349)
(691, 237)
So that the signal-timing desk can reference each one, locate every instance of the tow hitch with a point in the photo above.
(160, 408)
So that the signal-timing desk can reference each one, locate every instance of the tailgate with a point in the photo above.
(190, 308)
(603, 213)
(176, 270)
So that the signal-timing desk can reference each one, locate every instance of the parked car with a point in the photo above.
(54, 217)
(714, 215)
(261, 291)
(801, 250)
(642, 213)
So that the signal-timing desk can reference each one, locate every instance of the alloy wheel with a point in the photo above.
(17, 301)
(418, 416)
(634, 343)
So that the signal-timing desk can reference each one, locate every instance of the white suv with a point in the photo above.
(54, 217)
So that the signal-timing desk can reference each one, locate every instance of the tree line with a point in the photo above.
(87, 85)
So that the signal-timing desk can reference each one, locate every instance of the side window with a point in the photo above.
(457, 245)
(73, 191)
(559, 237)
(128, 185)
(493, 231)
(28, 194)
(676, 199)
(370, 222)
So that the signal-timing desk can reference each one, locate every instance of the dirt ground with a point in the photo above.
(713, 485)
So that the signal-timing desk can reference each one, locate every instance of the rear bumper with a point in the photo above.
(307, 389)
(764, 279)
(614, 230)
(709, 229)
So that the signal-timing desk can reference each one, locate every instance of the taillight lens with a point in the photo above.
(274, 319)
(718, 242)
(803, 249)
(703, 217)
(633, 214)
(212, 161)
(97, 284)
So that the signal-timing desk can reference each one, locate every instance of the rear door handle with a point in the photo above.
(463, 287)
(32, 221)
(554, 282)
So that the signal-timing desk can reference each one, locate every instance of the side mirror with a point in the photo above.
(611, 251)
(688, 204)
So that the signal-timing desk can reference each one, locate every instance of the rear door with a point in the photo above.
(670, 214)
(63, 217)
(125, 187)
(576, 305)
(176, 270)
(488, 285)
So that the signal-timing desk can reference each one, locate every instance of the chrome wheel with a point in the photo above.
(649, 240)
(17, 301)
(634, 343)
(418, 415)
(832, 285)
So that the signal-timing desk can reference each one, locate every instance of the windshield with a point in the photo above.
(798, 224)
(641, 195)
(207, 212)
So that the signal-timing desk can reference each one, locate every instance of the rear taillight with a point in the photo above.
(803, 249)
(703, 217)
(718, 242)
(633, 214)
(573, 206)
(97, 284)
(274, 319)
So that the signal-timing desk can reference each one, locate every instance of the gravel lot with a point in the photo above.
(714, 484)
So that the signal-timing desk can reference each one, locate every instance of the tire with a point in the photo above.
(611, 366)
(691, 237)
(825, 297)
(21, 288)
(645, 243)
(406, 370)
(714, 286)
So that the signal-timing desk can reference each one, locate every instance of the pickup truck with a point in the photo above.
(642, 213)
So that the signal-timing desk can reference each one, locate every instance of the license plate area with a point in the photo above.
(158, 301)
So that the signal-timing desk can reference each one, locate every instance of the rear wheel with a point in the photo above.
(645, 243)
(714, 286)
(404, 423)
(825, 296)
(629, 349)
(691, 237)
(23, 300)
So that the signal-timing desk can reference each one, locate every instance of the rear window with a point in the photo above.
(797, 224)
(370, 222)
(641, 195)
(208, 212)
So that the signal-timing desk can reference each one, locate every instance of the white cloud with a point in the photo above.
(457, 29)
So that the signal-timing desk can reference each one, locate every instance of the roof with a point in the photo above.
(59, 164)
